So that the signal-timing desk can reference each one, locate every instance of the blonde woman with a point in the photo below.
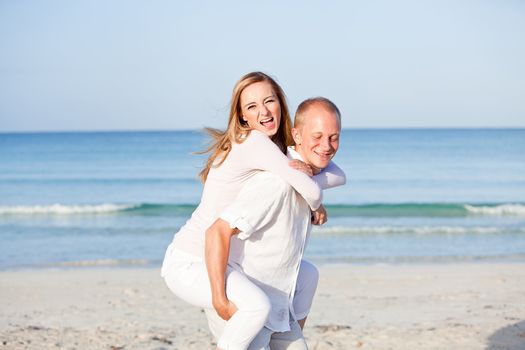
(258, 132)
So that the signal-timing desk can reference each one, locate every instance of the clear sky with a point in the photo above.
(164, 65)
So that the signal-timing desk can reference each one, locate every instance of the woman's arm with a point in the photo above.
(217, 250)
(259, 152)
(331, 176)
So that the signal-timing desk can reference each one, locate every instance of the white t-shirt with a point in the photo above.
(224, 183)
(275, 223)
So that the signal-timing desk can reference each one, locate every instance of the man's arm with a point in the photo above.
(217, 250)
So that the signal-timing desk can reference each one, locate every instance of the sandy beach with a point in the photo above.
(442, 306)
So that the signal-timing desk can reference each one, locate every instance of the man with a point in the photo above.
(270, 224)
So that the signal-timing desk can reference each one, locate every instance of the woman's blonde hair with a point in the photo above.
(238, 129)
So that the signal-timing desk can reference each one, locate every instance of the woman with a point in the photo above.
(258, 132)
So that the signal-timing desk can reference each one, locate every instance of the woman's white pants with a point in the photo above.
(187, 278)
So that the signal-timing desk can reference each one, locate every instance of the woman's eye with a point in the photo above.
(251, 107)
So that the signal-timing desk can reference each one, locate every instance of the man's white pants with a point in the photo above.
(266, 339)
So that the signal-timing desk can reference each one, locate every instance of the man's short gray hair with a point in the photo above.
(310, 102)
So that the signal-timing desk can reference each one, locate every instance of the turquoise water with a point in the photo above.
(116, 198)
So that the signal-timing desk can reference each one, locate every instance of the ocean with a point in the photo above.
(117, 198)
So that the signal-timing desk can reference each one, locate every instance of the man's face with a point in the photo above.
(317, 139)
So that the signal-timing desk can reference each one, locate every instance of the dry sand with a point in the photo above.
(443, 306)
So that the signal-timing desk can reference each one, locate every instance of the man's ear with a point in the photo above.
(296, 136)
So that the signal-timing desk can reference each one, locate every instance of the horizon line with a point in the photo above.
(91, 131)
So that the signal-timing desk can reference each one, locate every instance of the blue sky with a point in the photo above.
(164, 65)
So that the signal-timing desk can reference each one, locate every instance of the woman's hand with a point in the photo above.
(225, 309)
(301, 166)
(319, 216)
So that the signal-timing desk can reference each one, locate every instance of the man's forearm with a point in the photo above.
(217, 250)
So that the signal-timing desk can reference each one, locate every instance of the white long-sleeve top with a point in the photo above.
(224, 183)
(274, 223)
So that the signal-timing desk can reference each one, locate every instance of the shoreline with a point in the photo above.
(381, 306)
(320, 262)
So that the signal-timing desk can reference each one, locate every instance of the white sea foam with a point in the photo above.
(60, 209)
(103, 262)
(499, 210)
(414, 230)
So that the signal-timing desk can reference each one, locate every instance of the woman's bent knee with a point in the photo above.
(264, 307)
(259, 307)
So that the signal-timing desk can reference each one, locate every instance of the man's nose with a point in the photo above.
(325, 144)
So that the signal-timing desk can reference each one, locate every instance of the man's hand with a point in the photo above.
(301, 166)
(216, 252)
(225, 309)
(319, 216)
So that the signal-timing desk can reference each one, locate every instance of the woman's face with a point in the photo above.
(260, 108)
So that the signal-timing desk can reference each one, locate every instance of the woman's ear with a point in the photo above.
(296, 135)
